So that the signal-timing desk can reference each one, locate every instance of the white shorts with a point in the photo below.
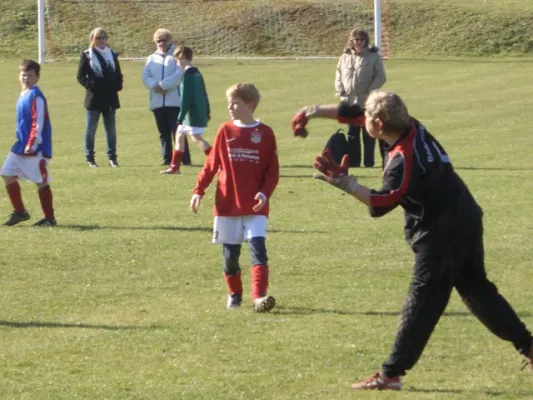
(30, 168)
(235, 230)
(191, 130)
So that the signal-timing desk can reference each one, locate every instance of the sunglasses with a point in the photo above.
(358, 40)
(101, 37)
(161, 41)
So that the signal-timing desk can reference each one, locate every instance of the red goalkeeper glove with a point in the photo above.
(327, 165)
(333, 173)
(298, 124)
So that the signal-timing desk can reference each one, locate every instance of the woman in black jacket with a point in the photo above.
(99, 73)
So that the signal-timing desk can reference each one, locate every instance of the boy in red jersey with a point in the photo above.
(245, 157)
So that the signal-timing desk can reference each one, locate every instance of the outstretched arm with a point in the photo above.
(342, 112)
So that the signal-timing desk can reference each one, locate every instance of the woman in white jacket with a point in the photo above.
(162, 77)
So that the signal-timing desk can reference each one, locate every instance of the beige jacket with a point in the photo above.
(357, 75)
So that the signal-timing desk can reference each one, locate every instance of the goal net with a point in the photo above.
(213, 28)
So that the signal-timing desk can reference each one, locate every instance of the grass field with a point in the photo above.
(125, 298)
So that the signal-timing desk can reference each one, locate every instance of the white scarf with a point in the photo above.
(106, 53)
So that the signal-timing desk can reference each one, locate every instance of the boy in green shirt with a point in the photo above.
(195, 111)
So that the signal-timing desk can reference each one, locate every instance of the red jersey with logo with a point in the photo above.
(246, 160)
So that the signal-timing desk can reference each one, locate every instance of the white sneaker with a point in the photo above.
(264, 304)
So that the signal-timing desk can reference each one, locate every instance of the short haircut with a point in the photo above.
(246, 92)
(183, 52)
(359, 33)
(162, 33)
(390, 109)
(30, 65)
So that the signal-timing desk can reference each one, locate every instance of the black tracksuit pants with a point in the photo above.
(166, 119)
(460, 265)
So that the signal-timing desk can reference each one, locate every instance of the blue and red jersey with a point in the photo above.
(33, 124)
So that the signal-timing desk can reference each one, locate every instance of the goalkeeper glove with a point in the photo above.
(300, 120)
(333, 173)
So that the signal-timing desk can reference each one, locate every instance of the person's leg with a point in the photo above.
(165, 131)
(490, 307)
(353, 148)
(186, 159)
(109, 117)
(369, 144)
(198, 140)
(177, 154)
(92, 117)
(232, 273)
(428, 295)
(15, 196)
(47, 205)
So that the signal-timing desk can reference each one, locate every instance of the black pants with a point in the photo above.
(461, 265)
(166, 119)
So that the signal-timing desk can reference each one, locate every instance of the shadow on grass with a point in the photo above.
(40, 324)
(493, 168)
(489, 393)
(309, 310)
(165, 228)
(444, 391)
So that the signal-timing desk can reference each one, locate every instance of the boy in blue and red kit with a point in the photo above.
(244, 156)
(30, 155)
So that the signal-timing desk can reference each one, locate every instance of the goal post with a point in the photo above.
(213, 28)
(40, 28)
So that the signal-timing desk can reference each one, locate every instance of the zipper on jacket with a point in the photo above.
(163, 77)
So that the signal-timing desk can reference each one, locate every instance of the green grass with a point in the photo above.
(125, 298)
(284, 28)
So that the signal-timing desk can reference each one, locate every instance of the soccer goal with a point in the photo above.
(213, 28)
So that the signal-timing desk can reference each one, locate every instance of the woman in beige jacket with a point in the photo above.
(359, 71)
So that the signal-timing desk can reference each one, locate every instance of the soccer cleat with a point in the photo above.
(234, 301)
(529, 359)
(113, 163)
(378, 381)
(45, 222)
(17, 217)
(92, 164)
(170, 171)
(264, 304)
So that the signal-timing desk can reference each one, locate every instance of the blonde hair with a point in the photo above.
(390, 109)
(162, 33)
(246, 92)
(94, 34)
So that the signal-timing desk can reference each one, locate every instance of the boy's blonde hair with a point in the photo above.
(246, 92)
(390, 109)
(162, 33)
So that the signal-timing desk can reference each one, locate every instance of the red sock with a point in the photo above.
(13, 190)
(207, 151)
(234, 283)
(47, 204)
(259, 281)
(176, 159)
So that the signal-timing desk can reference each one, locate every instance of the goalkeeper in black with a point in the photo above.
(443, 226)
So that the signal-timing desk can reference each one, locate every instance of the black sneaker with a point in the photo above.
(113, 163)
(234, 301)
(17, 217)
(92, 164)
(46, 222)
